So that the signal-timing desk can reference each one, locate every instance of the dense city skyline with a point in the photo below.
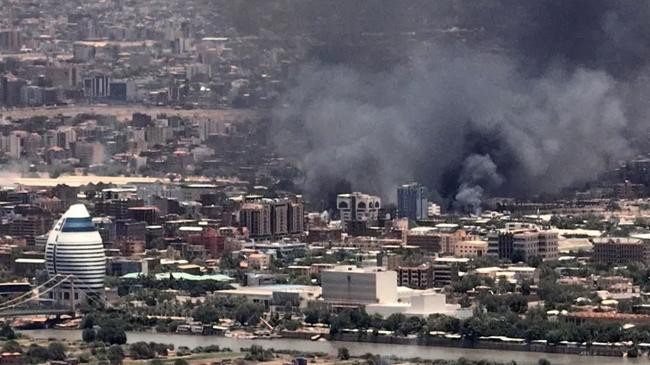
(309, 181)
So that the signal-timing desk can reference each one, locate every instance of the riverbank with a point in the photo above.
(485, 345)
(355, 348)
(574, 349)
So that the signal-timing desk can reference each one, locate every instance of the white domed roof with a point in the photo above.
(77, 211)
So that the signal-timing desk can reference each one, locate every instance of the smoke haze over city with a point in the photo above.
(305, 181)
(552, 106)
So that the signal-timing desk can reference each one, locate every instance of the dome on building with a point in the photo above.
(74, 247)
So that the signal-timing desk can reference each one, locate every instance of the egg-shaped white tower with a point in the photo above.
(74, 247)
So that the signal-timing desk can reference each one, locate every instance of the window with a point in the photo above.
(78, 225)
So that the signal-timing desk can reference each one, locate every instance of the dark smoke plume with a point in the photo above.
(551, 111)
(478, 171)
(611, 35)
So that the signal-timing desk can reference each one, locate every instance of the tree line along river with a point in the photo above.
(355, 348)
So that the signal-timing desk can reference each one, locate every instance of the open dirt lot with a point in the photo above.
(124, 112)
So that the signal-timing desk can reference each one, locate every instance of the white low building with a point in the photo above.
(420, 303)
(376, 290)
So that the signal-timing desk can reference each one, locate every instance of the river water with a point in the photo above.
(356, 348)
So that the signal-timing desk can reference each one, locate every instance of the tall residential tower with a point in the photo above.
(412, 202)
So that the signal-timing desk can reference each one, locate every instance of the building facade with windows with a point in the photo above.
(74, 249)
(412, 202)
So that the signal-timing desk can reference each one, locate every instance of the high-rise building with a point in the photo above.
(74, 248)
(272, 217)
(10, 39)
(11, 145)
(65, 136)
(10, 86)
(628, 190)
(357, 210)
(256, 218)
(89, 153)
(358, 207)
(547, 247)
(118, 208)
(279, 215)
(29, 227)
(412, 202)
(97, 85)
(158, 134)
(295, 219)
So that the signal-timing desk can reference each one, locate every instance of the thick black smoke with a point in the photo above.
(551, 108)
(611, 35)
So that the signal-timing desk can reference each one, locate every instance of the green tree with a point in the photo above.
(341, 321)
(88, 335)
(115, 354)
(555, 336)
(123, 290)
(248, 314)
(37, 354)
(258, 353)
(12, 346)
(394, 321)
(473, 328)
(439, 322)
(633, 352)
(410, 326)
(85, 357)
(343, 353)
(56, 351)
(112, 333)
(206, 314)
(141, 350)
(517, 303)
(470, 281)
(88, 321)
(7, 332)
(291, 325)
(312, 316)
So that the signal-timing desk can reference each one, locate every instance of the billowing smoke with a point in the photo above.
(469, 198)
(611, 35)
(471, 123)
(478, 171)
